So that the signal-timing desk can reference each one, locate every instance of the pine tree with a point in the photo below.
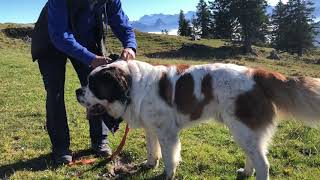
(301, 26)
(203, 19)
(195, 29)
(164, 31)
(294, 27)
(279, 21)
(184, 25)
(251, 14)
(223, 21)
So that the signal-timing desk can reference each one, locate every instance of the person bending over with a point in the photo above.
(74, 29)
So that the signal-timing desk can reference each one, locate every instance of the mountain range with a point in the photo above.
(159, 22)
(155, 23)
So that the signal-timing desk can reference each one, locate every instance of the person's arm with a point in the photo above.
(119, 23)
(61, 35)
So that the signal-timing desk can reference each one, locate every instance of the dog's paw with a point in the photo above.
(169, 176)
(152, 164)
(165, 176)
(149, 165)
(244, 173)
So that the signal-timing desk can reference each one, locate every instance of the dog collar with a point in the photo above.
(126, 100)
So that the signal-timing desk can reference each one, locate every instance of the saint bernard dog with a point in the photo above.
(165, 99)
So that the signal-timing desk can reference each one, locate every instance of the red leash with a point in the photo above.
(122, 143)
(114, 154)
(82, 162)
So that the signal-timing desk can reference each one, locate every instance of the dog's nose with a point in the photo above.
(79, 92)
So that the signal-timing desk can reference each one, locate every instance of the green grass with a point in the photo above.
(208, 150)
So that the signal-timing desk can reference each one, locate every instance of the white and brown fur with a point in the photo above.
(166, 99)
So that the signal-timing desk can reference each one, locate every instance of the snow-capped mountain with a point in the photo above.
(159, 22)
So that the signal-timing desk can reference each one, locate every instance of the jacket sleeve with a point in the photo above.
(61, 35)
(119, 23)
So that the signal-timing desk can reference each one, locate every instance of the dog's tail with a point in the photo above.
(296, 96)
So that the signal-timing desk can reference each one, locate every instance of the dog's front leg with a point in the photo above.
(170, 149)
(153, 149)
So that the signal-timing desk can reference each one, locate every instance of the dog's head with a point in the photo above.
(108, 87)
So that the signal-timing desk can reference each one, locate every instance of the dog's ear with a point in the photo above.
(103, 85)
(110, 84)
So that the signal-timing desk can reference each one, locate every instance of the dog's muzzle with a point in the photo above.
(80, 97)
(79, 92)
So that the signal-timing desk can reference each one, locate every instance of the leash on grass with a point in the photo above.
(113, 155)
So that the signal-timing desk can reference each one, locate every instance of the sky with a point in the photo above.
(27, 11)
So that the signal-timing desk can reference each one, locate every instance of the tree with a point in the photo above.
(203, 19)
(195, 29)
(184, 25)
(295, 29)
(164, 31)
(223, 21)
(251, 15)
(279, 21)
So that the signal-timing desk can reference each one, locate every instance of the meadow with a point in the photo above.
(208, 150)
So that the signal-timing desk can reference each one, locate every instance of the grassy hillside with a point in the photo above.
(208, 150)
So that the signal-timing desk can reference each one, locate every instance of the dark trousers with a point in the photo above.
(53, 70)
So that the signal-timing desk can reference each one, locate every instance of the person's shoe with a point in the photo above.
(62, 159)
(102, 150)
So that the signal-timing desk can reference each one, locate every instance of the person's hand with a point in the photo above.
(98, 61)
(128, 54)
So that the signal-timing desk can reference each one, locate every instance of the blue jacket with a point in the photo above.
(75, 45)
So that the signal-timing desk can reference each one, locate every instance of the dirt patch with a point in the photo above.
(121, 167)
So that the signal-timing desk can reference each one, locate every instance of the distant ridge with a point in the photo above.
(169, 22)
(159, 22)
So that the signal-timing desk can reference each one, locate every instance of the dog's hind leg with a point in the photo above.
(254, 145)
(170, 149)
(153, 149)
